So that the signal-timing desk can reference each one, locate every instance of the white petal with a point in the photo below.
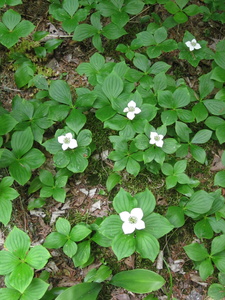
(69, 135)
(131, 104)
(161, 136)
(137, 110)
(188, 44)
(61, 139)
(194, 41)
(65, 146)
(140, 224)
(130, 115)
(73, 144)
(153, 134)
(159, 143)
(137, 212)
(152, 141)
(124, 216)
(126, 109)
(128, 228)
(198, 46)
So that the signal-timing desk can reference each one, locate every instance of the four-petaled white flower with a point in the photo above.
(67, 141)
(193, 45)
(156, 139)
(132, 110)
(132, 220)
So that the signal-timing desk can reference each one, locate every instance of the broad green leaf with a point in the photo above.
(7, 123)
(219, 261)
(220, 133)
(59, 194)
(37, 257)
(146, 245)
(112, 86)
(219, 178)
(21, 172)
(206, 269)
(70, 248)
(123, 245)
(24, 28)
(138, 281)
(203, 229)
(70, 6)
(200, 112)
(63, 226)
(202, 136)
(86, 290)
(182, 131)
(215, 107)
(84, 31)
(112, 181)
(181, 97)
(157, 225)
(112, 31)
(60, 91)
(8, 262)
(11, 18)
(9, 294)
(160, 35)
(34, 158)
(79, 232)
(123, 201)
(21, 277)
(198, 153)
(55, 240)
(98, 275)
(196, 252)
(46, 178)
(84, 138)
(175, 215)
(200, 202)
(171, 181)
(22, 142)
(82, 255)
(146, 201)
(206, 85)
(111, 226)
(76, 120)
(132, 166)
(218, 244)
(17, 242)
(216, 291)
(218, 74)
(35, 290)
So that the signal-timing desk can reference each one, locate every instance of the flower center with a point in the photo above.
(132, 220)
(193, 44)
(157, 138)
(66, 140)
(131, 108)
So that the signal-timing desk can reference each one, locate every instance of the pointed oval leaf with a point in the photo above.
(18, 242)
(112, 86)
(21, 277)
(60, 91)
(86, 290)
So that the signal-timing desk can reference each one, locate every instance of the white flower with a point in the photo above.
(193, 45)
(132, 220)
(156, 138)
(131, 110)
(67, 141)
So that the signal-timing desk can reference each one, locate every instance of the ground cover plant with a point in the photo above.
(112, 128)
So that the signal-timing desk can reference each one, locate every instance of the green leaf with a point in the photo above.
(146, 245)
(84, 138)
(112, 86)
(198, 153)
(82, 255)
(11, 18)
(202, 136)
(216, 291)
(171, 7)
(200, 202)
(8, 262)
(98, 275)
(200, 112)
(46, 178)
(55, 240)
(63, 226)
(22, 142)
(76, 120)
(35, 290)
(206, 85)
(196, 252)
(160, 35)
(218, 74)
(20, 172)
(215, 107)
(138, 281)
(21, 277)
(60, 91)
(219, 261)
(182, 131)
(111, 226)
(206, 269)
(34, 158)
(175, 215)
(180, 17)
(37, 257)
(6, 210)
(78, 162)
(18, 242)
(9, 294)
(203, 229)
(123, 201)
(218, 244)
(70, 248)
(171, 181)
(123, 245)
(181, 97)
(112, 31)
(157, 225)
(59, 194)
(79, 232)
(220, 133)
(112, 181)
(24, 28)
(84, 31)
(133, 167)
(7, 123)
(86, 290)
(146, 201)
(219, 178)
(70, 6)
